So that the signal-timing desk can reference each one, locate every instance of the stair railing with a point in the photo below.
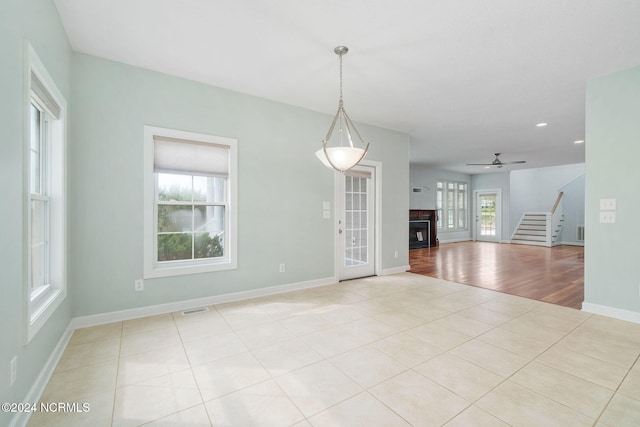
(552, 221)
(556, 217)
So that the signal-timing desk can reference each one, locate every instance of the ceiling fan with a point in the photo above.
(497, 162)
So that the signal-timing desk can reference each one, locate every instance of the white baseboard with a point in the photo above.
(35, 392)
(616, 313)
(571, 243)
(135, 313)
(394, 270)
(454, 240)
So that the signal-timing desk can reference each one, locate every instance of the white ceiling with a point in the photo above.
(465, 78)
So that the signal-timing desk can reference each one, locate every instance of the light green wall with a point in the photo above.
(37, 21)
(612, 262)
(281, 186)
(493, 181)
(536, 190)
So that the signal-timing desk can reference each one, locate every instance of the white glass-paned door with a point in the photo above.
(488, 216)
(356, 224)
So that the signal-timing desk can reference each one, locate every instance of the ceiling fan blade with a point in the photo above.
(479, 164)
(514, 163)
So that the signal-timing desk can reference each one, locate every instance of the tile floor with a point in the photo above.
(386, 351)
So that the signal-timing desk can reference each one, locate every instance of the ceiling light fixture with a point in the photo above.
(541, 125)
(346, 155)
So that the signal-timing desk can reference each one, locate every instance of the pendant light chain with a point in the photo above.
(341, 80)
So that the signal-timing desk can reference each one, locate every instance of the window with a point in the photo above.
(45, 144)
(451, 204)
(190, 203)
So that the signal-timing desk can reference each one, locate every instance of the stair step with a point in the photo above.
(532, 227)
(528, 242)
(531, 232)
(529, 237)
(533, 222)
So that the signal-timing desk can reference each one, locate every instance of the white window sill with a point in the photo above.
(184, 269)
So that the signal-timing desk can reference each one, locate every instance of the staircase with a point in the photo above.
(540, 228)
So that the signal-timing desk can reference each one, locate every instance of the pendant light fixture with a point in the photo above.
(346, 155)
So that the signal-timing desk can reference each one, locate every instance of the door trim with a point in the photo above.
(498, 193)
(377, 215)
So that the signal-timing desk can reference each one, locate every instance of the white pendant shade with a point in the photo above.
(343, 158)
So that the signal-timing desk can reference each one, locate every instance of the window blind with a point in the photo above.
(358, 173)
(180, 156)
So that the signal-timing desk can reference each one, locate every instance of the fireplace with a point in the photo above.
(419, 234)
(422, 228)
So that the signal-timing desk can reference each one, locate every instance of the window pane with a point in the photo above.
(174, 187)
(35, 128)
(35, 150)
(462, 218)
(208, 245)
(209, 218)
(38, 269)
(175, 218)
(348, 200)
(356, 202)
(450, 200)
(38, 215)
(355, 257)
(34, 177)
(173, 247)
(208, 189)
(348, 220)
(348, 257)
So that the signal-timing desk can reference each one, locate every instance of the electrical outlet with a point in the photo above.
(395, 254)
(13, 370)
(281, 268)
(138, 285)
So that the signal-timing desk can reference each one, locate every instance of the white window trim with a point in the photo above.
(151, 267)
(445, 208)
(45, 303)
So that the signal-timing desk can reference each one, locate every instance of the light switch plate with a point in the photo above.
(608, 204)
(326, 205)
(607, 217)
(326, 214)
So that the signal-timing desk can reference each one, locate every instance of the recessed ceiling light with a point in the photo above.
(580, 141)
(541, 125)
(487, 167)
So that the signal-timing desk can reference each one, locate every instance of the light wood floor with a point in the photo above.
(554, 275)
